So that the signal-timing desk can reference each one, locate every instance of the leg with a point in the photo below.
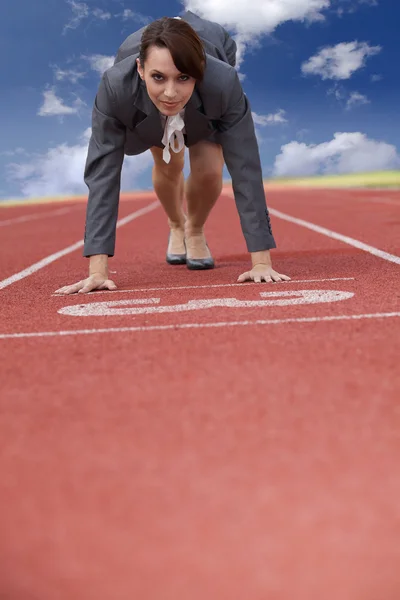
(168, 183)
(203, 188)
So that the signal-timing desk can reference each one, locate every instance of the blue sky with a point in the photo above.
(321, 77)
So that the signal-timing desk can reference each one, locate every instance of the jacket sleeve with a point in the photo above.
(103, 174)
(241, 154)
(230, 49)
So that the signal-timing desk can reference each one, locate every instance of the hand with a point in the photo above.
(262, 272)
(97, 281)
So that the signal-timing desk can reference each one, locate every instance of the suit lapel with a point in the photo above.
(197, 124)
(149, 129)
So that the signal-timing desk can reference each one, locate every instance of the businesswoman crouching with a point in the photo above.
(165, 91)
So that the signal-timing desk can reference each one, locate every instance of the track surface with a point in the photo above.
(224, 449)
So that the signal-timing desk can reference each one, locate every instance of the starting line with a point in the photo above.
(152, 305)
(214, 285)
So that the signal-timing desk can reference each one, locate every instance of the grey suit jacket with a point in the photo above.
(125, 121)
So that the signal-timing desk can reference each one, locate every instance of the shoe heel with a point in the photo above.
(175, 259)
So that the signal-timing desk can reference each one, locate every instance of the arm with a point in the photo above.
(103, 174)
(241, 155)
(242, 158)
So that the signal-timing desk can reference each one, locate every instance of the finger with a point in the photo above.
(244, 277)
(110, 285)
(276, 277)
(62, 290)
(87, 287)
(257, 278)
(71, 289)
(285, 277)
(267, 278)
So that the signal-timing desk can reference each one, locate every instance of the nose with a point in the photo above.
(170, 92)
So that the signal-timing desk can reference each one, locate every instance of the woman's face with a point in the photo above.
(168, 89)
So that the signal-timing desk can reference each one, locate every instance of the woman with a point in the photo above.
(172, 86)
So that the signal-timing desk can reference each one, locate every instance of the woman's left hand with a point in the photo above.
(261, 273)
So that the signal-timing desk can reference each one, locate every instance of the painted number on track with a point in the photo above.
(148, 306)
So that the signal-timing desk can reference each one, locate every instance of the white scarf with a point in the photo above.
(173, 136)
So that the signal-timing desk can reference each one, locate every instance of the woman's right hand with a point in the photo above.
(96, 281)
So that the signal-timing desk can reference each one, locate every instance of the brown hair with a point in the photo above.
(182, 41)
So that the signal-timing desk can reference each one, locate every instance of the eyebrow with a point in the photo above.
(160, 73)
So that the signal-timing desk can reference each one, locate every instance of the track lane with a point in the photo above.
(24, 244)
(346, 212)
(229, 463)
(30, 306)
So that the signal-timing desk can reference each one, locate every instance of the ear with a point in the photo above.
(139, 68)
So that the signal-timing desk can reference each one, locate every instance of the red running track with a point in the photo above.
(212, 451)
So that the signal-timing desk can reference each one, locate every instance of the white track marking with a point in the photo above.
(130, 307)
(35, 217)
(337, 236)
(72, 332)
(53, 257)
(216, 285)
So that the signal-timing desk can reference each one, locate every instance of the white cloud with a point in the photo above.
(101, 14)
(68, 75)
(129, 14)
(338, 91)
(14, 152)
(340, 61)
(265, 120)
(80, 11)
(351, 6)
(375, 78)
(250, 22)
(356, 99)
(54, 106)
(347, 99)
(100, 62)
(264, 17)
(271, 119)
(60, 170)
(345, 153)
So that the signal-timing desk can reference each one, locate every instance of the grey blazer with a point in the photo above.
(126, 122)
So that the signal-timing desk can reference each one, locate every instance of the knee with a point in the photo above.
(172, 170)
(207, 177)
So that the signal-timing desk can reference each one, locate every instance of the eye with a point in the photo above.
(158, 77)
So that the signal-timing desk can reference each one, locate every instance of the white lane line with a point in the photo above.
(337, 236)
(198, 325)
(199, 287)
(35, 217)
(53, 257)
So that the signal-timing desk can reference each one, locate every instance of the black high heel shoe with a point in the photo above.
(197, 264)
(175, 259)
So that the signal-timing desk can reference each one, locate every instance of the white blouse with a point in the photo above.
(174, 128)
